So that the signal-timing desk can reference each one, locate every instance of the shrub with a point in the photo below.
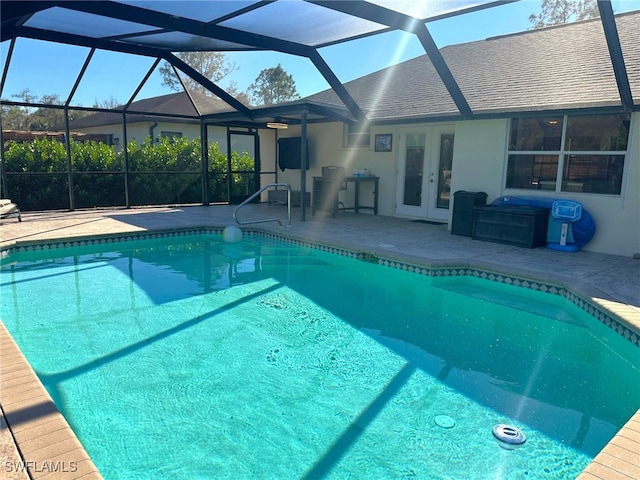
(169, 171)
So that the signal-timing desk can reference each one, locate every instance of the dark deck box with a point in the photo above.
(463, 204)
(521, 226)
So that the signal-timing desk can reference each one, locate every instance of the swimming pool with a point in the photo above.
(194, 358)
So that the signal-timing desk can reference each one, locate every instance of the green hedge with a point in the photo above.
(169, 171)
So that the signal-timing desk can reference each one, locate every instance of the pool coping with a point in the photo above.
(46, 445)
(47, 438)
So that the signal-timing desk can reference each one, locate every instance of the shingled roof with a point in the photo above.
(554, 68)
(170, 104)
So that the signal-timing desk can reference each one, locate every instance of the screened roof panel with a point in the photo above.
(194, 10)
(178, 42)
(4, 52)
(302, 22)
(391, 47)
(430, 9)
(251, 63)
(122, 84)
(150, 88)
(58, 63)
(63, 20)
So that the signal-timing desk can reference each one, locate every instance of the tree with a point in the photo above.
(37, 118)
(232, 90)
(15, 117)
(212, 65)
(556, 12)
(25, 95)
(47, 118)
(110, 102)
(273, 85)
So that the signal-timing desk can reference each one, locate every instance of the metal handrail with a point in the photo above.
(286, 185)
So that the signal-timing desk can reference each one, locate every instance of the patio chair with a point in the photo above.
(8, 209)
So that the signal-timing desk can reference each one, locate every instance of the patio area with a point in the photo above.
(609, 281)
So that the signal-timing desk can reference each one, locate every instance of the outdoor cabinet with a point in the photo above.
(463, 204)
(521, 226)
(325, 194)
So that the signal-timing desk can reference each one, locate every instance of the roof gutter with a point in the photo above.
(153, 125)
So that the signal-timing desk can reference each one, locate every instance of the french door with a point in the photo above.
(424, 173)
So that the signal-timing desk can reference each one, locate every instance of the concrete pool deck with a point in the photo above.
(611, 282)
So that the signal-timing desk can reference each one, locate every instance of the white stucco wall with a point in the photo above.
(479, 157)
(326, 149)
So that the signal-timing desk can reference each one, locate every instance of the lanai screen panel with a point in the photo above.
(64, 20)
(181, 42)
(196, 10)
(303, 23)
(429, 9)
(58, 63)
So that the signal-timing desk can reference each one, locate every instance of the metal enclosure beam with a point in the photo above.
(399, 21)
(443, 71)
(337, 86)
(615, 52)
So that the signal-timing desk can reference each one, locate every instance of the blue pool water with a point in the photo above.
(189, 358)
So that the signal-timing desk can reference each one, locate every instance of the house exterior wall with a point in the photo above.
(479, 157)
(139, 131)
(479, 164)
(190, 131)
(326, 149)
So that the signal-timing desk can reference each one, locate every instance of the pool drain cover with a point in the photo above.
(444, 421)
(509, 436)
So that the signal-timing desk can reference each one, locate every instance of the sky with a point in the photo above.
(46, 68)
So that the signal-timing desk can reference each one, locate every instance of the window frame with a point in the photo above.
(564, 154)
(171, 135)
(363, 131)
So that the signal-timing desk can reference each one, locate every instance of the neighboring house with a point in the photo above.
(142, 125)
(547, 122)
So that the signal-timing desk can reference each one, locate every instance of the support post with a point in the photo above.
(204, 160)
(67, 134)
(303, 165)
(125, 152)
